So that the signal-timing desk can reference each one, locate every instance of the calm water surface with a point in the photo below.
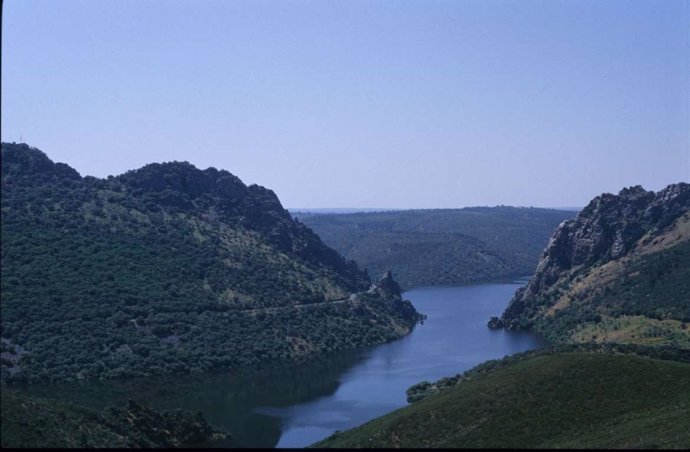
(296, 407)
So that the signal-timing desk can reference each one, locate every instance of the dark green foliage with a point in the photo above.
(424, 389)
(576, 395)
(441, 246)
(166, 269)
(546, 400)
(655, 286)
(36, 422)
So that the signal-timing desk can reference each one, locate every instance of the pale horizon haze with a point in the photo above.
(353, 103)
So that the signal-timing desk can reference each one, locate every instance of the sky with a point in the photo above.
(352, 103)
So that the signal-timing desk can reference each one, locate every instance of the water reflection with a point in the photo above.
(296, 406)
(228, 401)
(453, 339)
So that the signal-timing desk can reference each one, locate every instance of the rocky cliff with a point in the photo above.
(623, 256)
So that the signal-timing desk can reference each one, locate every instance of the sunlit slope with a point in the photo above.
(578, 400)
(619, 272)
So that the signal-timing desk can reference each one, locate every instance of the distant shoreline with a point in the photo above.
(346, 210)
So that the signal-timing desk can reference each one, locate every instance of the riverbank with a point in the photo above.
(294, 406)
(547, 399)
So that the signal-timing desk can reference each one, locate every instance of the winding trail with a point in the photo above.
(299, 306)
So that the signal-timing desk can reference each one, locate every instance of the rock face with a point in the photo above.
(610, 228)
(495, 323)
(389, 289)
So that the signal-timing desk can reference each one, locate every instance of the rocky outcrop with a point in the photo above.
(495, 323)
(389, 290)
(388, 287)
(608, 229)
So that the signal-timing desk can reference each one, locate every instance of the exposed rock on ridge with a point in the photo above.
(608, 229)
(389, 290)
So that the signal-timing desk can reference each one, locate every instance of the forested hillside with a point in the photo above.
(613, 281)
(168, 269)
(40, 423)
(544, 400)
(441, 246)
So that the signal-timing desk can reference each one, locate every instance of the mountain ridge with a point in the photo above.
(614, 242)
(166, 269)
(611, 293)
(441, 246)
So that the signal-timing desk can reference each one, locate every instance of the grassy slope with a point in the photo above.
(441, 246)
(643, 298)
(565, 398)
(560, 400)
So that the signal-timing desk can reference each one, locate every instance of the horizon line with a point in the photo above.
(375, 209)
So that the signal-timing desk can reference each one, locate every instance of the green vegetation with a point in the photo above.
(642, 299)
(441, 246)
(612, 292)
(544, 400)
(619, 272)
(424, 389)
(35, 422)
(167, 269)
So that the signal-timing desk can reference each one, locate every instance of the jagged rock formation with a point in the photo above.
(637, 239)
(167, 269)
(388, 289)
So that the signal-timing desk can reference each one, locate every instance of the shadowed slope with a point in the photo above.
(168, 269)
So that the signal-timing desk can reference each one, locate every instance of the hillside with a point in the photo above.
(169, 269)
(441, 246)
(544, 400)
(612, 290)
(40, 423)
(619, 272)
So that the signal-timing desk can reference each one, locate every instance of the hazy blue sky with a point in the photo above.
(360, 103)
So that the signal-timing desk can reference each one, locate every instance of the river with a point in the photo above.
(294, 407)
